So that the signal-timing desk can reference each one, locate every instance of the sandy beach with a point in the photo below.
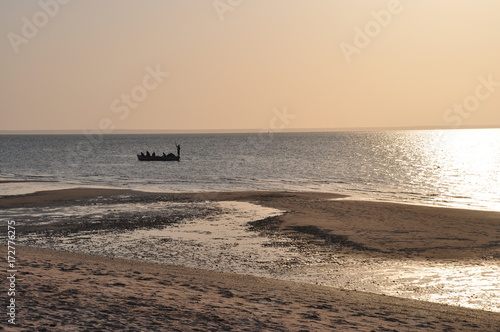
(62, 291)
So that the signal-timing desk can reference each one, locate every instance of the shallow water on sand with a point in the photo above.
(469, 284)
(217, 237)
(219, 241)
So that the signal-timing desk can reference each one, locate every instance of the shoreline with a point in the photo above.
(371, 229)
(379, 228)
(355, 196)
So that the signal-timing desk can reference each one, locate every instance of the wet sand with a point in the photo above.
(383, 228)
(60, 291)
(373, 227)
(67, 291)
(57, 197)
(23, 181)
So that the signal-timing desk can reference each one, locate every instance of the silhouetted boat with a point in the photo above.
(168, 157)
(164, 157)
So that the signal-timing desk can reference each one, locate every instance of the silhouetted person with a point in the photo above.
(142, 154)
(178, 149)
(147, 153)
(154, 154)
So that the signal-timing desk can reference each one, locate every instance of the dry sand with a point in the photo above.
(60, 291)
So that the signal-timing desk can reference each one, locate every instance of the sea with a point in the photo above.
(451, 168)
(447, 168)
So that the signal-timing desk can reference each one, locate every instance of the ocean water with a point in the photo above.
(453, 168)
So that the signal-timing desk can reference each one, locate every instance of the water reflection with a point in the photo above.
(471, 284)
(454, 167)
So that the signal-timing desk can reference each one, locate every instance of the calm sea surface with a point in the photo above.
(456, 168)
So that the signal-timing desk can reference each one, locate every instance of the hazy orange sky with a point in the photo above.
(235, 64)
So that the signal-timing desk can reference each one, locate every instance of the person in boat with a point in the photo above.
(147, 153)
(154, 154)
(142, 154)
(178, 149)
(164, 155)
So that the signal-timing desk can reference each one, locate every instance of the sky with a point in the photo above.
(243, 65)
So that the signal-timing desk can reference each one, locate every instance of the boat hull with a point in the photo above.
(158, 158)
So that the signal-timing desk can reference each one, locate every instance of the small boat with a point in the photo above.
(168, 157)
(164, 157)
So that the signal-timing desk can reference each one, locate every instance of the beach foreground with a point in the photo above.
(62, 291)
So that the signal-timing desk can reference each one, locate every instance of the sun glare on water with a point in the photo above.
(469, 162)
